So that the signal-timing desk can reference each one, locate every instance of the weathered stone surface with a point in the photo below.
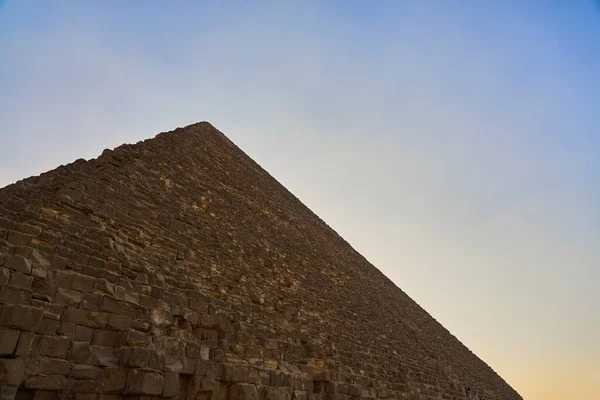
(18, 263)
(45, 382)
(4, 275)
(147, 382)
(12, 371)
(171, 386)
(54, 346)
(8, 392)
(48, 366)
(134, 357)
(82, 371)
(20, 317)
(27, 342)
(243, 391)
(114, 380)
(8, 341)
(178, 268)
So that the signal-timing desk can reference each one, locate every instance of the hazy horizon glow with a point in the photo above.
(456, 148)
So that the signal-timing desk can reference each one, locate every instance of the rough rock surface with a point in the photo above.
(178, 268)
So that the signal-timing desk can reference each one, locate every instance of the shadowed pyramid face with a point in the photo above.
(177, 267)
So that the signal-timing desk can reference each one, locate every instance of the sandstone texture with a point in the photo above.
(178, 268)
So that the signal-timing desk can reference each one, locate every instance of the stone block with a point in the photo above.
(45, 382)
(85, 396)
(39, 272)
(18, 263)
(67, 329)
(127, 295)
(83, 334)
(48, 366)
(4, 276)
(96, 319)
(299, 395)
(157, 360)
(243, 391)
(28, 229)
(54, 346)
(210, 369)
(235, 373)
(14, 295)
(68, 297)
(118, 322)
(83, 283)
(103, 356)
(81, 371)
(21, 317)
(145, 382)
(81, 352)
(18, 238)
(130, 337)
(48, 326)
(8, 392)
(114, 380)
(8, 341)
(27, 342)
(104, 337)
(171, 386)
(105, 286)
(134, 357)
(12, 371)
(58, 262)
(20, 280)
(84, 385)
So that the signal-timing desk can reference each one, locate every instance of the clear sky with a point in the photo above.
(455, 144)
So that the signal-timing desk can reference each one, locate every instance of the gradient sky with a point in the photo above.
(456, 145)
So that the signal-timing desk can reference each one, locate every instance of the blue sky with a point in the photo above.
(454, 144)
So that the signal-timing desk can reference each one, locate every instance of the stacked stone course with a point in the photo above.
(177, 268)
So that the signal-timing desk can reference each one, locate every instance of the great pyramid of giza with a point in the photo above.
(178, 268)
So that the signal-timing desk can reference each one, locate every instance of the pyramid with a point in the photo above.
(178, 268)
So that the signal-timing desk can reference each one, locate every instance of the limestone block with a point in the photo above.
(18, 238)
(81, 371)
(103, 356)
(48, 326)
(48, 366)
(147, 382)
(83, 334)
(243, 391)
(83, 283)
(21, 317)
(8, 341)
(134, 357)
(18, 263)
(171, 387)
(68, 297)
(104, 337)
(27, 342)
(54, 346)
(4, 275)
(14, 295)
(12, 371)
(20, 280)
(118, 322)
(299, 395)
(114, 380)
(235, 373)
(8, 392)
(45, 382)
(81, 352)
